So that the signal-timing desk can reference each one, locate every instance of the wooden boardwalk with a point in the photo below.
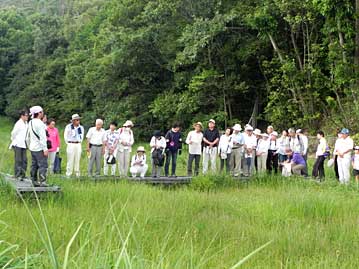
(26, 186)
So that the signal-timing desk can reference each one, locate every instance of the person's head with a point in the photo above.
(198, 127)
(211, 124)
(344, 133)
(284, 133)
(44, 119)
(113, 126)
(141, 151)
(249, 130)
(176, 127)
(228, 131)
(37, 112)
(264, 137)
(289, 152)
(99, 124)
(270, 129)
(356, 149)
(320, 134)
(127, 125)
(257, 133)
(274, 136)
(291, 132)
(24, 115)
(157, 134)
(305, 131)
(237, 128)
(75, 119)
(51, 123)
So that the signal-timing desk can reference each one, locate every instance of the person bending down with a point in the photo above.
(138, 163)
(297, 161)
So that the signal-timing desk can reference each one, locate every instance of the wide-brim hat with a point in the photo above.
(264, 135)
(141, 149)
(248, 128)
(75, 117)
(237, 127)
(128, 123)
(257, 132)
(35, 109)
(198, 124)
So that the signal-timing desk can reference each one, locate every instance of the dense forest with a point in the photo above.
(291, 63)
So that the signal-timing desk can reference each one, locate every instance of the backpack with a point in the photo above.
(158, 157)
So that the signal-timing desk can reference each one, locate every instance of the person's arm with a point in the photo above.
(188, 139)
(88, 136)
(15, 131)
(39, 128)
(132, 139)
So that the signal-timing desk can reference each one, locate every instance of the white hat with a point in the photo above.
(75, 117)
(274, 133)
(128, 123)
(298, 131)
(257, 132)
(248, 128)
(141, 149)
(270, 127)
(212, 120)
(237, 127)
(35, 109)
(264, 135)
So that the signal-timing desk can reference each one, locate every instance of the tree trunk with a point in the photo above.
(341, 42)
(275, 47)
(296, 48)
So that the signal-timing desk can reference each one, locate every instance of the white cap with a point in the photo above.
(248, 128)
(257, 132)
(298, 131)
(75, 117)
(35, 109)
(237, 127)
(264, 135)
(274, 133)
(128, 123)
(212, 120)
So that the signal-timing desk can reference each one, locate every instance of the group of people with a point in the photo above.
(240, 153)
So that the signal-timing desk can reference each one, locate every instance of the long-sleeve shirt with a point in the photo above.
(74, 133)
(298, 159)
(344, 145)
(37, 135)
(54, 137)
(283, 144)
(174, 140)
(273, 144)
(194, 141)
(238, 140)
(157, 143)
(305, 144)
(126, 137)
(18, 134)
(111, 139)
(322, 147)
(225, 144)
(262, 147)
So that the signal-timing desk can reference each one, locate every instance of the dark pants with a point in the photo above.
(20, 162)
(171, 155)
(196, 158)
(38, 166)
(272, 161)
(318, 168)
(306, 165)
(336, 167)
(227, 162)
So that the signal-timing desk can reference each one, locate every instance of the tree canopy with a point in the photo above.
(159, 61)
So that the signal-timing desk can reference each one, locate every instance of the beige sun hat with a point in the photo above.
(141, 149)
(257, 132)
(237, 127)
(128, 123)
(75, 117)
(198, 124)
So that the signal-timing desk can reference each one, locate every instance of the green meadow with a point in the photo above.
(215, 222)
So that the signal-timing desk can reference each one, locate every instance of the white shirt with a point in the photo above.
(126, 136)
(273, 144)
(342, 145)
(138, 160)
(74, 133)
(18, 134)
(250, 141)
(157, 143)
(283, 144)
(356, 161)
(304, 139)
(225, 144)
(263, 146)
(37, 143)
(196, 138)
(111, 139)
(322, 147)
(296, 144)
(96, 137)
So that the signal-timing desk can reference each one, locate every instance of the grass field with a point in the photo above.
(122, 225)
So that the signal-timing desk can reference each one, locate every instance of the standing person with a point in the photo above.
(262, 153)
(74, 134)
(336, 171)
(210, 143)
(237, 151)
(355, 163)
(250, 145)
(54, 138)
(138, 163)
(295, 142)
(303, 136)
(343, 148)
(283, 144)
(225, 149)
(194, 141)
(95, 146)
(111, 145)
(173, 148)
(18, 144)
(272, 159)
(318, 168)
(258, 134)
(38, 147)
(270, 130)
(125, 147)
(158, 146)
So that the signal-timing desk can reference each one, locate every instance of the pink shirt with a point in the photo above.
(54, 138)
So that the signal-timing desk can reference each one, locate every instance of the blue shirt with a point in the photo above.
(298, 159)
(238, 139)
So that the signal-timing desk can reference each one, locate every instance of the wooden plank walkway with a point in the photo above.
(26, 186)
